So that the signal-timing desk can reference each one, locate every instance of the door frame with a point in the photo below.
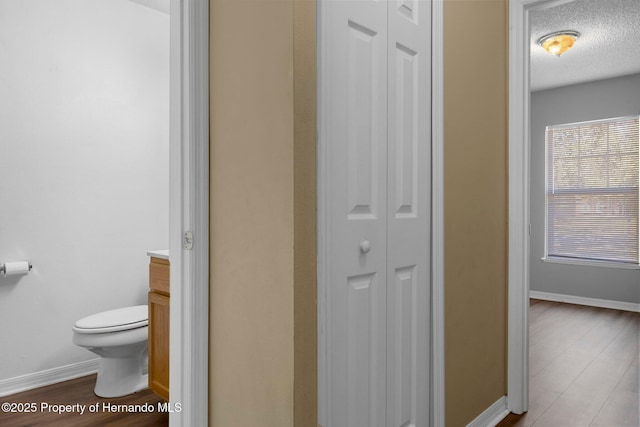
(189, 211)
(437, 392)
(519, 189)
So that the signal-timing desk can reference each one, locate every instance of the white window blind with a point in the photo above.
(592, 190)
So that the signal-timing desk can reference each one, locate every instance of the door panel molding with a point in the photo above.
(405, 206)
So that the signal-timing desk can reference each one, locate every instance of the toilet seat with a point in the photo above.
(120, 319)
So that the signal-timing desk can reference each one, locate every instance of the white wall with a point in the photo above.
(589, 101)
(84, 167)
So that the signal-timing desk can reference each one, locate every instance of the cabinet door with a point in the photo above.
(159, 344)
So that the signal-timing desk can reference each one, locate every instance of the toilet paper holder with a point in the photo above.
(3, 269)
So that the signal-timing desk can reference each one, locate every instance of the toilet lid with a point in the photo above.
(119, 319)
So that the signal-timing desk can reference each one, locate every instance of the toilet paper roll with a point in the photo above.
(16, 268)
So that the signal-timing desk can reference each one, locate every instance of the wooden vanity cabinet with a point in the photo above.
(159, 327)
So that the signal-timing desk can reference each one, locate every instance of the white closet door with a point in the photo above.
(409, 213)
(377, 144)
(358, 213)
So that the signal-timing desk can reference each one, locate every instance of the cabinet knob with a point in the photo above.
(365, 246)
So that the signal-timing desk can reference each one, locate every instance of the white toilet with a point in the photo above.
(120, 337)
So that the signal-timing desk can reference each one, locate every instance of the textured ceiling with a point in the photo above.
(609, 45)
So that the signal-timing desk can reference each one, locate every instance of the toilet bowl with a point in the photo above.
(120, 338)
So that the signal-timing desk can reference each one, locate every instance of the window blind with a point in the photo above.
(592, 190)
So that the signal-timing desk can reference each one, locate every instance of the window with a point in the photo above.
(592, 191)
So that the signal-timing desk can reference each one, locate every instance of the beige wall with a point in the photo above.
(262, 213)
(475, 111)
(263, 316)
(305, 243)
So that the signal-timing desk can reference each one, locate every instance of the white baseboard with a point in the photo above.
(592, 302)
(50, 376)
(492, 415)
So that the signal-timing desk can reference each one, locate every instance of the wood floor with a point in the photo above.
(583, 372)
(583, 367)
(80, 392)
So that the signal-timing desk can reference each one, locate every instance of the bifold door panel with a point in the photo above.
(377, 90)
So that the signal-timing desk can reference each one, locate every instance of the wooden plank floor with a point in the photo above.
(583, 372)
(583, 367)
(80, 392)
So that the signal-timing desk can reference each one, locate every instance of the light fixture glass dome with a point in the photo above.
(559, 42)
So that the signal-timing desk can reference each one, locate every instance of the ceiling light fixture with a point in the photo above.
(559, 42)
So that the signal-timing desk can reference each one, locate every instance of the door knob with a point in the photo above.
(365, 246)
